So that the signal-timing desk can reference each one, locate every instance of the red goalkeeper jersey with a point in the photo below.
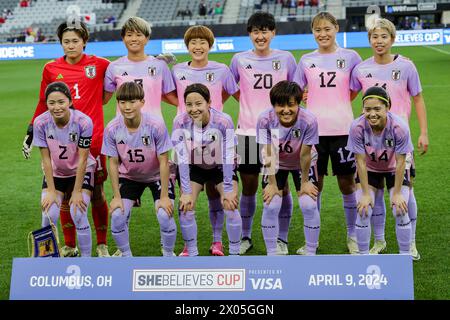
(85, 80)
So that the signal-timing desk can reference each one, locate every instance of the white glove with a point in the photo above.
(27, 147)
(168, 58)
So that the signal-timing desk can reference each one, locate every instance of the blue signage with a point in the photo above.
(328, 277)
(224, 44)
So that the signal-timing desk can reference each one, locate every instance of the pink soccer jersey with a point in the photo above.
(152, 74)
(399, 78)
(256, 76)
(380, 149)
(137, 151)
(327, 77)
(216, 76)
(208, 147)
(63, 143)
(288, 141)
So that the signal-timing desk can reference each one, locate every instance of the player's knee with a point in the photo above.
(362, 222)
(273, 208)
(307, 204)
(187, 217)
(233, 216)
(118, 219)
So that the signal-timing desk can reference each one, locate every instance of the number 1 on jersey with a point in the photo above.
(77, 92)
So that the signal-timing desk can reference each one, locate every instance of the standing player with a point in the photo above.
(326, 75)
(287, 133)
(137, 146)
(399, 77)
(64, 137)
(84, 75)
(257, 71)
(220, 82)
(205, 142)
(149, 72)
(380, 141)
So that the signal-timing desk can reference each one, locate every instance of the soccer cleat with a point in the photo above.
(102, 251)
(117, 254)
(282, 248)
(216, 249)
(246, 244)
(69, 252)
(414, 253)
(352, 245)
(185, 252)
(303, 252)
(378, 247)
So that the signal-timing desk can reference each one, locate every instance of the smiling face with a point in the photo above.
(325, 34)
(261, 39)
(375, 111)
(72, 45)
(135, 41)
(58, 104)
(199, 49)
(287, 113)
(381, 41)
(130, 109)
(197, 107)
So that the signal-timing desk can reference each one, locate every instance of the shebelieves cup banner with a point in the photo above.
(329, 277)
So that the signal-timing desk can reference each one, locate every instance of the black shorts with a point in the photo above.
(249, 154)
(65, 185)
(133, 190)
(282, 176)
(411, 167)
(376, 179)
(342, 160)
(201, 176)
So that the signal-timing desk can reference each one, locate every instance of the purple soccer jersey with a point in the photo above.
(327, 77)
(256, 76)
(152, 74)
(380, 149)
(208, 147)
(399, 78)
(137, 151)
(216, 76)
(63, 143)
(288, 141)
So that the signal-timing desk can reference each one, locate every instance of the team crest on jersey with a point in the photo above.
(210, 76)
(90, 71)
(212, 136)
(276, 65)
(296, 133)
(152, 71)
(340, 63)
(145, 140)
(73, 137)
(389, 142)
(395, 75)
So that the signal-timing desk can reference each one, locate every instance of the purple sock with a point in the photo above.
(216, 217)
(80, 219)
(402, 225)
(319, 201)
(284, 218)
(119, 227)
(247, 210)
(234, 229)
(378, 219)
(363, 226)
(349, 202)
(412, 212)
(53, 212)
(269, 224)
(311, 222)
(188, 226)
(168, 230)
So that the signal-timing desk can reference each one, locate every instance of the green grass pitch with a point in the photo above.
(21, 180)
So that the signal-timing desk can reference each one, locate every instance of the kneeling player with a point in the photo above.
(380, 141)
(205, 143)
(137, 145)
(64, 137)
(287, 133)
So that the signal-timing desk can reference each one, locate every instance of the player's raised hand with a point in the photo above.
(77, 201)
(115, 203)
(26, 146)
(50, 198)
(166, 204)
(423, 143)
(363, 205)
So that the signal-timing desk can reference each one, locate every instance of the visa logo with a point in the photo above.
(266, 283)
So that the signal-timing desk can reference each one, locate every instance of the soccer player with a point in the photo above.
(84, 76)
(221, 84)
(380, 141)
(288, 133)
(151, 73)
(205, 142)
(64, 137)
(325, 73)
(399, 77)
(137, 145)
(257, 71)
